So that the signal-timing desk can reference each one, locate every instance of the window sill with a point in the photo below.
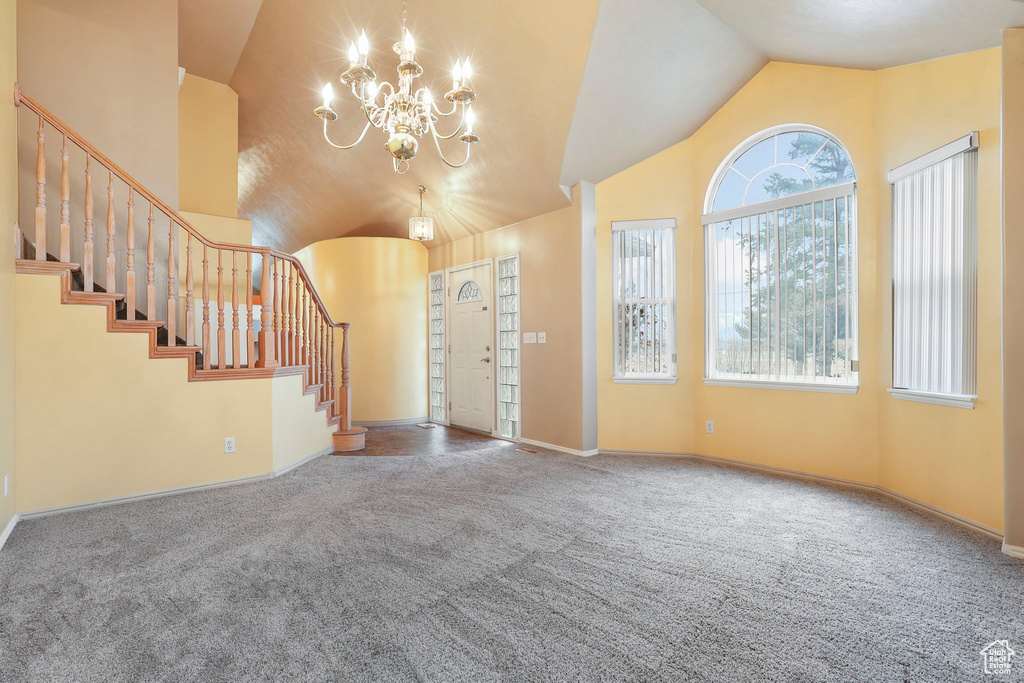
(644, 380)
(784, 386)
(952, 400)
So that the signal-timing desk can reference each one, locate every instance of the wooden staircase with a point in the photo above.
(263, 319)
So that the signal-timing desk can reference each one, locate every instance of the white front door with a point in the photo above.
(471, 355)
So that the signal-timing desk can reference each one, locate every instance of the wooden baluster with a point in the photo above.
(222, 353)
(87, 256)
(236, 335)
(111, 258)
(330, 375)
(322, 338)
(206, 310)
(278, 286)
(305, 332)
(172, 288)
(150, 271)
(313, 375)
(315, 365)
(129, 278)
(297, 321)
(250, 337)
(19, 242)
(40, 192)
(310, 350)
(289, 291)
(190, 314)
(283, 351)
(65, 204)
(345, 395)
(327, 359)
(266, 339)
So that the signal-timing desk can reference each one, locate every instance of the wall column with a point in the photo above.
(1013, 289)
(587, 198)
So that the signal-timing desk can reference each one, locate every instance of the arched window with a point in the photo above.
(781, 275)
(469, 291)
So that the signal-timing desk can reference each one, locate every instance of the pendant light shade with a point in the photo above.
(421, 228)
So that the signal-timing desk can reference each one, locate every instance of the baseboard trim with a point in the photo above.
(299, 463)
(559, 449)
(107, 502)
(8, 530)
(391, 423)
(1013, 550)
(919, 505)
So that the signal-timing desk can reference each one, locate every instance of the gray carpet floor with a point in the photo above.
(475, 562)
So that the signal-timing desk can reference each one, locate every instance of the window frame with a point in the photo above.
(968, 144)
(665, 378)
(711, 218)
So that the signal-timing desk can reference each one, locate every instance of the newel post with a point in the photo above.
(267, 358)
(345, 395)
(347, 438)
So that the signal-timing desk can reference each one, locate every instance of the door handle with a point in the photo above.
(487, 360)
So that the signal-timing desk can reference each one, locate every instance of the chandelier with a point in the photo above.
(405, 115)
(421, 228)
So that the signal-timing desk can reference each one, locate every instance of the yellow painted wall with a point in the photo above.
(1013, 287)
(831, 434)
(378, 284)
(220, 228)
(98, 419)
(8, 216)
(949, 457)
(551, 374)
(207, 147)
(884, 118)
(110, 71)
(299, 430)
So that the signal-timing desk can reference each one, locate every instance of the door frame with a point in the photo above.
(492, 309)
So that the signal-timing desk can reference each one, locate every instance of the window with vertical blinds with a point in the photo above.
(643, 287)
(935, 275)
(781, 264)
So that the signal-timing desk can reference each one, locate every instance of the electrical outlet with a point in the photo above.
(529, 337)
(7, 484)
(710, 426)
(229, 444)
(542, 337)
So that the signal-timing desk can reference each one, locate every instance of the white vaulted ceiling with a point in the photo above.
(657, 70)
(568, 91)
(867, 34)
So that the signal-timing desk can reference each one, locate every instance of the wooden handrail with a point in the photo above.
(21, 98)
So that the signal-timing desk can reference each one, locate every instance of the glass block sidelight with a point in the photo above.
(508, 347)
(438, 409)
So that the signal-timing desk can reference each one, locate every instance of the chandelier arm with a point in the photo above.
(337, 146)
(433, 103)
(455, 108)
(455, 132)
(437, 143)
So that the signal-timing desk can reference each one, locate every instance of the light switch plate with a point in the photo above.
(529, 337)
(542, 337)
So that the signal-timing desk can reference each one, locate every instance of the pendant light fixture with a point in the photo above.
(421, 228)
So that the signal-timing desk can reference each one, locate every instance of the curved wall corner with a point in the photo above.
(379, 284)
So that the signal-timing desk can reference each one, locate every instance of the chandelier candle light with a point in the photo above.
(421, 228)
(403, 114)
